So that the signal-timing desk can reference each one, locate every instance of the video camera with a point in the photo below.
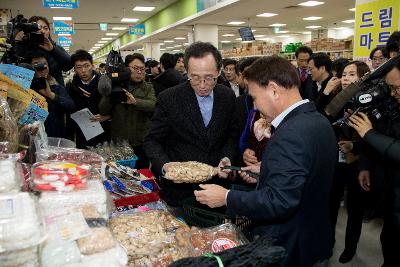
(372, 96)
(31, 37)
(119, 75)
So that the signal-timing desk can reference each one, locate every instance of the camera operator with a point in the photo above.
(130, 118)
(386, 141)
(57, 58)
(59, 102)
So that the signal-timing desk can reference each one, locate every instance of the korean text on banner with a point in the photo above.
(138, 29)
(375, 21)
(69, 4)
(63, 27)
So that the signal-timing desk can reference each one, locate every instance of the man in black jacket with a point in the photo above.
(83, 91)
(303, 54)
(193, 121)
(384, 164)
(169, 76)
(320, 66)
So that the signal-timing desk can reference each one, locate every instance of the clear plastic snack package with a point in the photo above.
(59, 176)
(11, 176)
(153, 238)
(114, 151)
(216, 239)
(190, 172)
(70, 154)
(91, 200)
(8, 129)
(27, 257)
(21, 226)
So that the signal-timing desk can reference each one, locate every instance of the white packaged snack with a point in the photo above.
(20, 225)
(27, 257)
(94, 196)
(10, 179)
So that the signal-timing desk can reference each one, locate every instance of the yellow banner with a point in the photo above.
(375, 21)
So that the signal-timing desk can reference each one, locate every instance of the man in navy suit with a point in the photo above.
(291, 201)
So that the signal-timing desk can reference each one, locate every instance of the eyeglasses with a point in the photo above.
(208, 80)
(137, 69)
(380, 59)
(81, 67)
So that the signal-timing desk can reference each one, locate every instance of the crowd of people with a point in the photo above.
(263, 114)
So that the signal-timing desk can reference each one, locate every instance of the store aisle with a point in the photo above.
(369, 248)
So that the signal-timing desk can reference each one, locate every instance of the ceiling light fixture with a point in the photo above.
(177, 45)
(119, 28)
(98, 45)
(62, 18)
(168, 41)
(283, 32)
(228, 35)
(267, 15)
(169, 47)
(352, 9)
(106, 38)
(306, 32)
(312, 18)
(348, 21)
(313, 27)
(283, 36)
(102, 42)
(176, 50)
(341, 28)
(238, 39)
(112, 34)
(162, 49)
(225, 41)
(185, 43)
(64, 34)
(311, 3)
(277, 25)
(259, 35)
(253, 30)
(143, 8)
(236, 22)
(180, 38)
(129, 20)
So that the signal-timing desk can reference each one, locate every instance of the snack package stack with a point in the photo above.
(153, 238)
(80, 239)
(92, 198)
(21, 230)
(114, 151)
(215, 239)
(10, 178)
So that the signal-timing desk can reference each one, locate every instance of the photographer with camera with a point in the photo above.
(58, 59)
(58, 100)
(131, 109)
(383, 137)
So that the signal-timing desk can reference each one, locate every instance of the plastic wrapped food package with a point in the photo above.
(190, 172)
(11, 176)
(59, 175)
(93, 199)
(99, 240)
(150, 238)
(114, 151)
(215, 239)
(27, 257)
(8, 129)
(70, 154)
(20, 224)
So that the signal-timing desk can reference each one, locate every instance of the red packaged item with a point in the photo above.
(59, 176)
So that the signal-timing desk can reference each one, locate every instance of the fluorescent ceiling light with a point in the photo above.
(341, 28)
(312, 18)
(106, 38)
(64, 34)
(247, 41)
(352, 9)
(225, 41)
(277, 25)
(348, 21)
(236, 22)
(266, 15)
(162, 49)
(140, 49)
(253, 30)
(180, 38)
(259, 35)
(177, 45)
(228, 35)
(238, 39)
(306, 32)
(283, 36)
(185, 43)
(283, 31)
(169, 47)
(98, 45)
(62, 18)
(311, 3)
(162, 44)
(112, 34)
(119, 28)
(102, 42)
(129, 20)
(313, 27)
(168, 41)
(144, 8)
(176, 50)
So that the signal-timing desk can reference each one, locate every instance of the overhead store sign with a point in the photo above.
(70, 4)
(375, 21)
(103, 26)
(64, 41)
(63, 27)
(138, 29)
